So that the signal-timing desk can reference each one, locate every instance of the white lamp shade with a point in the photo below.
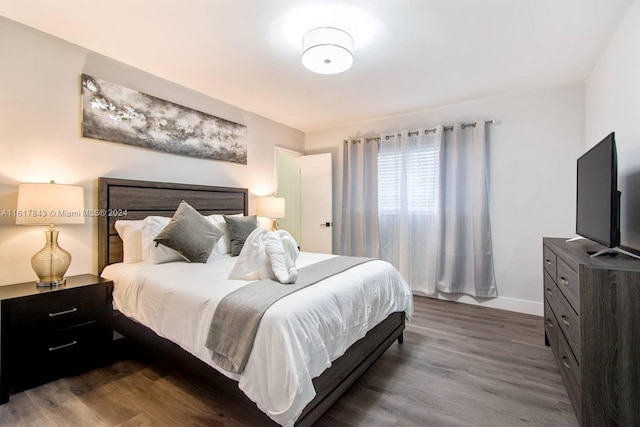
(271, 207)
(43, 204)
(327, 50)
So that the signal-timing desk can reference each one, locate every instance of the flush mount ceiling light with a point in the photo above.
(327, 50)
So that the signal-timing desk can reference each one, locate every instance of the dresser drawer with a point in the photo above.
(551, 292)
(569, 323)
(567, 280)
(549, 261)
(61, 309)
(550, 326)
(570, 372)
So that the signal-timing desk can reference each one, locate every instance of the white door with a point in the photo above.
(316, 203)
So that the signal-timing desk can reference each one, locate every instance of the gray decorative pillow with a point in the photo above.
(189, 233)
(239, 229)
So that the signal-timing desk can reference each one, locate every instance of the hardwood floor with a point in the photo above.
(460, 365)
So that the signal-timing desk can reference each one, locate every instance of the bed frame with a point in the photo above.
(133, 200)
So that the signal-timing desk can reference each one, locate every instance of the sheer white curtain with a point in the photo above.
(359, 232)
(409, 205)
(466, 259)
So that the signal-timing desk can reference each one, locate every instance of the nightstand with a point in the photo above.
(48, 333)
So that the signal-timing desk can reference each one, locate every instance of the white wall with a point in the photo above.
(40, 117)
(533, 152)
(613, 105)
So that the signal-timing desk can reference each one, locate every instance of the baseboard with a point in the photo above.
(501, 303)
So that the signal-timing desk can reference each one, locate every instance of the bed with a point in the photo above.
(135, 200)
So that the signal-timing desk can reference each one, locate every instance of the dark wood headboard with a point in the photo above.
(134, 200)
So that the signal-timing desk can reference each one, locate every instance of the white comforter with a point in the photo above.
(298, 336)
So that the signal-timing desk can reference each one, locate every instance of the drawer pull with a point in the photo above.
(60, 313)
(564, 362)
(549, 292)
(548, 261)
(565, 321)
(564, 281)
(550, 323)
(63, 346)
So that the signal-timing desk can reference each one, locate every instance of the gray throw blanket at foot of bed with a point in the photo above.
(237, 317)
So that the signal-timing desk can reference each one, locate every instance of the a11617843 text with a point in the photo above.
(61, 213)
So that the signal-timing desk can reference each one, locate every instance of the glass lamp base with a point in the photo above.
(51, 283)
(51, 262)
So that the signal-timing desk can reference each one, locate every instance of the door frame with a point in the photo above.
(296, 232)
(278, 149)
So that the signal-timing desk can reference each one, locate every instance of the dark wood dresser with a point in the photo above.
(592, 323)
(47, 333)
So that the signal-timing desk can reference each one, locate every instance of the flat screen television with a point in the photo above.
(598, 198)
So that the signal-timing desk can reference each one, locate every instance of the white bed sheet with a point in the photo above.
(298, 336)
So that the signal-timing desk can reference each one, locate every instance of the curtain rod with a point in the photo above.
(426, 131)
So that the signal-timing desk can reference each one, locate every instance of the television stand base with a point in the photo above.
(613, 252)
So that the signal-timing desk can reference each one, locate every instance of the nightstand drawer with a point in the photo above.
(61, 309)
(61, 353)
(76, 340)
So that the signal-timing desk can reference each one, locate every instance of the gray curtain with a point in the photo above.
(466, 256)
(359, 234)
(434, 230)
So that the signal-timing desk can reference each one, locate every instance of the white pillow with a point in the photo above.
(131, 234)
(152, 254)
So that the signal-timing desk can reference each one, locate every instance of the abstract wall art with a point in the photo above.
(114, 113)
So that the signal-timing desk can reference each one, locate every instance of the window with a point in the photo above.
(408, 176)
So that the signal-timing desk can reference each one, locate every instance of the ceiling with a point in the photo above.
(410, 55)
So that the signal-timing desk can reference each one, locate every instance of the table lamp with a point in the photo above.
(50, 204)
(271, 207)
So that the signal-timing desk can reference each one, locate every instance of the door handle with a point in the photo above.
(326, 224)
